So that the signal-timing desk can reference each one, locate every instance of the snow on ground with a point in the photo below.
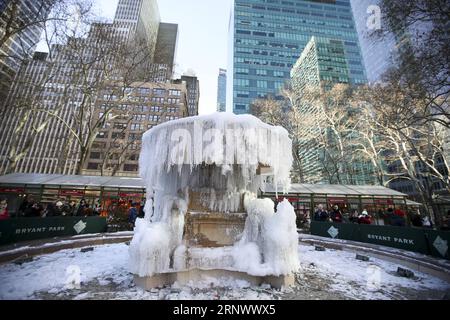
(374, 279)
(104, 275)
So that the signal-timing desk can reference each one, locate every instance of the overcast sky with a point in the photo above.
(202, 39)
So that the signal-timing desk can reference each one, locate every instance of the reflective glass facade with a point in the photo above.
(222, 90)
(268, 36)
(377, 53)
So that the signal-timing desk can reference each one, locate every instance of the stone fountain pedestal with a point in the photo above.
(205, 230)
(203, 220)
(195, 275)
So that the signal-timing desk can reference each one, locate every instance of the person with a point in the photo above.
(38, 209)
(336, 214)
(23, 206)
(88, 211)
(426, 222)
(72, 208)
(28, 207)
(445, 226)
(81, 207)
(4, 215)
(398, 218)
(364, 218)
(97, 208)
(321, 214)
(59, 209)
(132, 214)
(354, 216)
(141, 211)
(50, 211)
(416, 220)
(66, 209)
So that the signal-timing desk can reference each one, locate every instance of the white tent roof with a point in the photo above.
(66, 180)
(338, 190)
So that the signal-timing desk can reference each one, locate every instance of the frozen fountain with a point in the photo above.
(202, 217)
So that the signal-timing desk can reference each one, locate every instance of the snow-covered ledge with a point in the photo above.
(202, 217)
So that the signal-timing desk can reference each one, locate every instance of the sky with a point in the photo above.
(202, 39)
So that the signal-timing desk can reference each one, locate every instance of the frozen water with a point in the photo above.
(223, 159)
(269, 241)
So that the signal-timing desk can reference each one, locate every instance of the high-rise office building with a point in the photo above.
(267, 37)
(321, 65)
(166, 45)
(383, 52)
(193, 93)
(24, 20)
(222, 91)
(116, 148)
(378, 53)
(139, 19)
(140, 22)
(322, 61)
(54, 85)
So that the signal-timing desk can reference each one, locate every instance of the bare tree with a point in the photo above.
(25, 110)
(421, 72)
(400, 149)
(278, 113)
(22, 22)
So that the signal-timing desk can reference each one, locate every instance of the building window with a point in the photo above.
(120, 125)
(153, 118)
(144, 91)
(118, 135)
(175, 92)
(130, 167)
(137, 126)
(95, 155)
(102, 135)
(159, 92)
(92, 166)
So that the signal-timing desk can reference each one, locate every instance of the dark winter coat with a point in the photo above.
(132, 214)
(336, 216)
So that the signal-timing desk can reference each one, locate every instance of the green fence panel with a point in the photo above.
(410, 239)
(438, 242)
(24, 229)
(425, 241)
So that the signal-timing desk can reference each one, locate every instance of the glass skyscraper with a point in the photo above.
(222, 90)
(377, 53)
(268, 36)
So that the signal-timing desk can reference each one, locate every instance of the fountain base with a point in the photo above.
(195, 275)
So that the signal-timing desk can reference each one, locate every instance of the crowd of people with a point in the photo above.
(61, 208)
(393, 217)
(32, 209)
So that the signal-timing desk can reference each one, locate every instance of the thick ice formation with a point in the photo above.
(236, 144)
(223, 159)
(269, 241)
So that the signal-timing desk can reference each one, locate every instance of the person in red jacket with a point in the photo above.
(4, 210)
(398, 218)
(364, 218)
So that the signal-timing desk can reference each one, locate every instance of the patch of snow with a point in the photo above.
(49, 272)
(357, 279)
